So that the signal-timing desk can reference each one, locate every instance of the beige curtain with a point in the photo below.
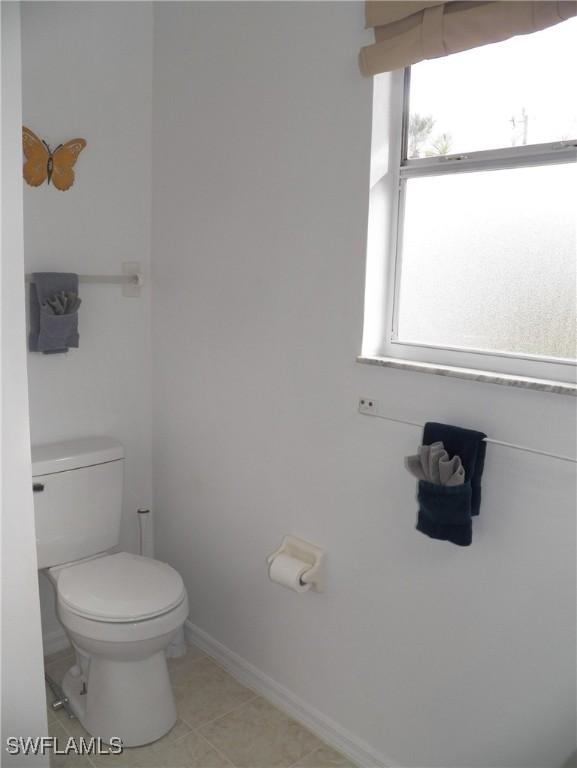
(407, 32)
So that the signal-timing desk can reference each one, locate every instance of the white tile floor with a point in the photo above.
(221, 724)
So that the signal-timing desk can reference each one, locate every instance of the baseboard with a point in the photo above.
(54, 641)
(326, 729)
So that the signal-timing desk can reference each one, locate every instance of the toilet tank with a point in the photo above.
(77, 488)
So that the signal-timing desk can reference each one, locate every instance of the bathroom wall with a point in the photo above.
(87, 71)
(22, 694)
(430, 654)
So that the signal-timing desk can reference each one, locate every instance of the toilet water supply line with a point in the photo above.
(60, 699)
(141, 528)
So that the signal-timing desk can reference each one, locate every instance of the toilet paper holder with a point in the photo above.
(308, 553)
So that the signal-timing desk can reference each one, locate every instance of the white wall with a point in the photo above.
(87, 71)
(22, 698)
(432, 654)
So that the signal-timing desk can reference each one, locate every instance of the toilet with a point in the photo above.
(121, 611)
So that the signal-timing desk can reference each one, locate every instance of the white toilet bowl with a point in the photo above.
(121, 611)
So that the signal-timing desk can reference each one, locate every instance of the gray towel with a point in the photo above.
(433, 465)
(51, 333)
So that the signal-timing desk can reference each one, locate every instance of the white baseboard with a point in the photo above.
(54, 641)
(328, 730)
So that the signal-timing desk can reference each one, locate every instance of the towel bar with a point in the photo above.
(135, 279)
(131, 279)
(516, 447)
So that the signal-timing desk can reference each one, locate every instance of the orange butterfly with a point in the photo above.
(42, 164)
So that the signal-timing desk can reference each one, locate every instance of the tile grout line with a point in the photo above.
(192, 732)
(222, 754)
(216, 749)
(61, 725)
(196, 729)
(205, 656)
(190, 661)
(307, 754)
(214, 719)
(72, 736)
(256, 695)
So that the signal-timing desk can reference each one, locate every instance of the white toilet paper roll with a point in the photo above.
(287, 571)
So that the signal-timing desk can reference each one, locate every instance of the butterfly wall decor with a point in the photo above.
(43, 164)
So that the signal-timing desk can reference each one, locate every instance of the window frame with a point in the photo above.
(404, 169)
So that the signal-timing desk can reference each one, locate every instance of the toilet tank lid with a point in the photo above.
(74, 454)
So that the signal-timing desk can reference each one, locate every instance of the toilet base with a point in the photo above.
(123, 666)
(130, 700)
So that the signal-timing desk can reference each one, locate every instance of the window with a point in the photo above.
(482, 256)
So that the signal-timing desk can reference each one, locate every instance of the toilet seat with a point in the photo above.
(120, 588)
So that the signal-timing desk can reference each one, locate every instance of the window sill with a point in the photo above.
(472, 374)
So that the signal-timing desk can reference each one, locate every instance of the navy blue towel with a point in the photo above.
(445, 512)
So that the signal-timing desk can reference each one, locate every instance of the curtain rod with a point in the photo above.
(516, 447)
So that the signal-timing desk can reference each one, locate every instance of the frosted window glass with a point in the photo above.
(517, 92)
(488, 261)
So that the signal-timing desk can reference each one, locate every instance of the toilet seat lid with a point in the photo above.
(120, 587)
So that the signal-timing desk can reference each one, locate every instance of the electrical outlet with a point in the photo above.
(368, 406)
